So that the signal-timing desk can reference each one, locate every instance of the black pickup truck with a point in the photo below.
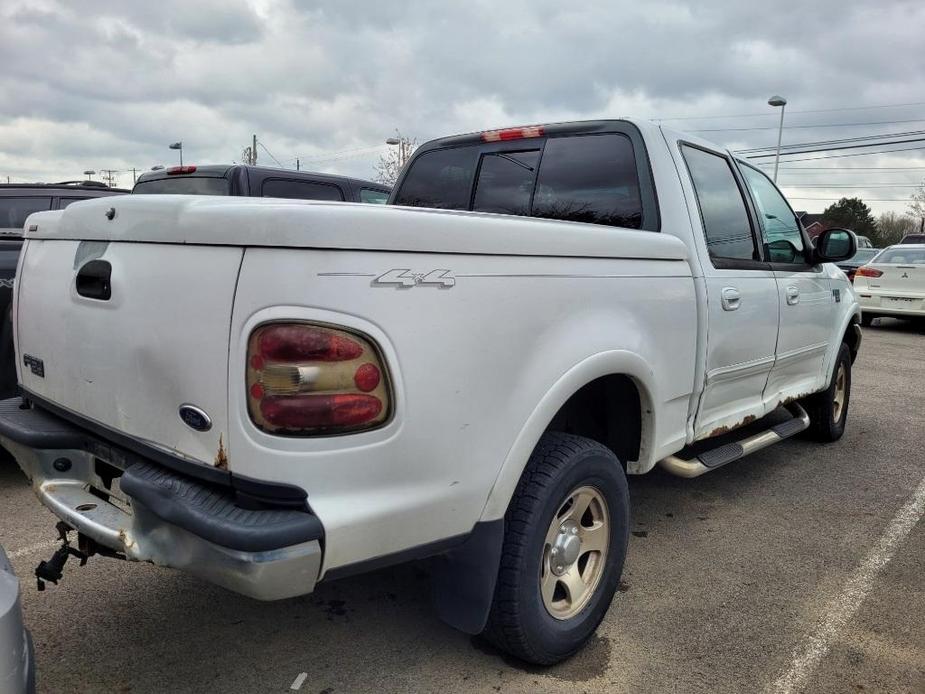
(260, 182)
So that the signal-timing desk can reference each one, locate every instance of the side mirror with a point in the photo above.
(835, 245)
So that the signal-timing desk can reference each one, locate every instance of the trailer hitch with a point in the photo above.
(53, 569)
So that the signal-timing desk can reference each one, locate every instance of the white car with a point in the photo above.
(893, 283)
(272, 393)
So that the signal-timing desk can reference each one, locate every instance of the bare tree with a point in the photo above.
(891, 228)
(917, 204)
(393, 161)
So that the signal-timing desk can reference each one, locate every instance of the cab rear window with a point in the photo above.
(579, 178)
(184, 185)
(14, 210)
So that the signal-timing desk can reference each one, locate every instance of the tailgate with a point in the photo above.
(129, 361)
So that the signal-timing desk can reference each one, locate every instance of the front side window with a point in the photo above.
(726, 225)
(780, 229)
(299, 190)
(589, 178)
(13, 211)
(505, 182)
(375, 197)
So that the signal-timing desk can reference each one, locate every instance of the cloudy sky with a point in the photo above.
(103, 85)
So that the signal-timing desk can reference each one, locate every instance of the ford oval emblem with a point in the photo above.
(195, 418)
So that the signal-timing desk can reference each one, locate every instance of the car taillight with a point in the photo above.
(513, 133)
(305, 379)
(177, 170)
(865, 271)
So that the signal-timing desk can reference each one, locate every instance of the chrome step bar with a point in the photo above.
(730, 452)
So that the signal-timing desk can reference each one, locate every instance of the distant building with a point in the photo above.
(812, 223)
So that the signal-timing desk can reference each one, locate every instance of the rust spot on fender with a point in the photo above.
(221, 458)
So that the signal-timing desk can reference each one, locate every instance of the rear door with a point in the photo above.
(807, 303)
(741, 297)
(127, 352)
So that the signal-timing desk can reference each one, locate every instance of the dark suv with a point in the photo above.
(260, 182)
(18, 201)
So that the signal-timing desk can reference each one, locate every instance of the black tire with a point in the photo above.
(519, 621)
(824, 426)
(866, 319)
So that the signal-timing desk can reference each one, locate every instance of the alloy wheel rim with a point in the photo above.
(841, 390)
(575, 552)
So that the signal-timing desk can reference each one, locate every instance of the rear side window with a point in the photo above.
(505, 182)
(376, 197)
(299, 190)
(726, 225)
(184, 185)
(440, 179)
(13, 211)
(589, 178)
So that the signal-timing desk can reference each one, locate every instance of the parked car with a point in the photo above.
(320, 390)
(17, 658)
(893, 283)
(17, 202)
(260, 181)
(913, 238)
(850, 265)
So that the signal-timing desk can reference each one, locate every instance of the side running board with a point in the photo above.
(730, 452)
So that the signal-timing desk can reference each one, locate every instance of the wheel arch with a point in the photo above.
(624, 378)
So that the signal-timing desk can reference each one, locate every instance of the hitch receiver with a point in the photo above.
(53, 569)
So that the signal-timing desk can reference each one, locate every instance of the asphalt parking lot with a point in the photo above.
(798, 569)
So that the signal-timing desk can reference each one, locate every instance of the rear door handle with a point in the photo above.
(93, 280)
(731, 298)
(793, 296)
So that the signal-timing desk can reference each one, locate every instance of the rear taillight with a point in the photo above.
(865, 271)
(305, 379)
(177, 170)
(512, 133)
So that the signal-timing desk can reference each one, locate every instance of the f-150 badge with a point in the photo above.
(403, 278)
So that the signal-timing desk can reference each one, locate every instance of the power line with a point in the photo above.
(796, 197)
(853, 154)
(271, 154)
(820, 143)
(829, 149)
(818, 110)
(820, 125)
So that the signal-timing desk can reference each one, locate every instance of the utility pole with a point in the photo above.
(108, 175)
(134, 176)
(297, 164)
(254, 151)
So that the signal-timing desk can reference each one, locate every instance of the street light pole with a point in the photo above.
(782, 102)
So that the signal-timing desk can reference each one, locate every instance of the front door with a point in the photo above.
(742, 307)
(804, 294)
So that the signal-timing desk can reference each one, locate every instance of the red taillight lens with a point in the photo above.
(305, 379)
(513, 133)
(865, 271)
(177, 170)
(317, 411)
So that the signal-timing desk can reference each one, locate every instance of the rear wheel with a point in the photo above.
(565, 541)
(828, 410)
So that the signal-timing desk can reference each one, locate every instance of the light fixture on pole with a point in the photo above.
(88, 174)
(179, 146)
(782, 102)
(400, 141)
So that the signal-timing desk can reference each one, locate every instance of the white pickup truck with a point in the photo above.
(272, 393)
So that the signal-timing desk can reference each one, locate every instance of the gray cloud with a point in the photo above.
(105, 85)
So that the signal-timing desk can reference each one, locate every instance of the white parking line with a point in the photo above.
(31, 549)
(840, 611)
